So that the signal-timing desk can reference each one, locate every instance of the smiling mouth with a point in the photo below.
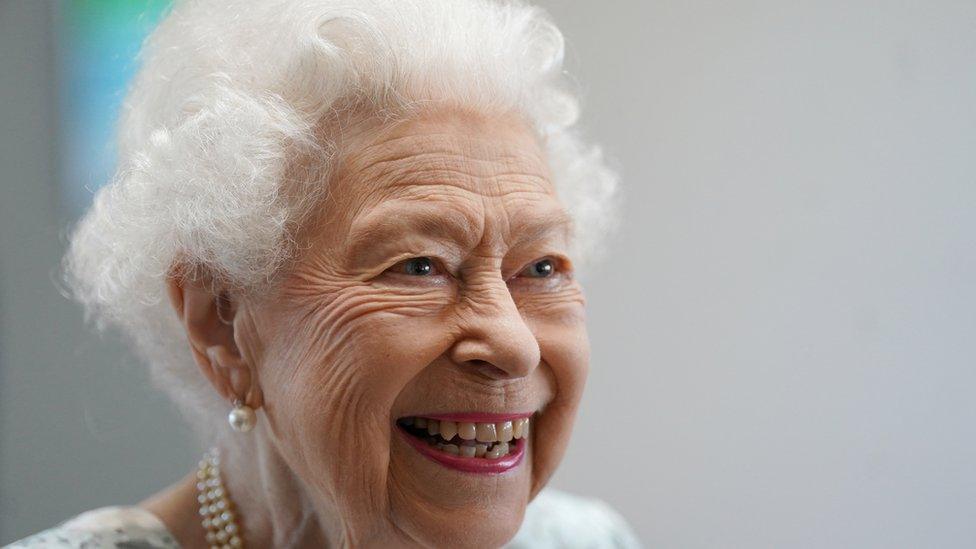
(468, 439)
(494, 445)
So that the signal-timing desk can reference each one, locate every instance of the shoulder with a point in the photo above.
(558, 519)
(107, 527)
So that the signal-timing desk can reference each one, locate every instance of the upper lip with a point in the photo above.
(473, 417)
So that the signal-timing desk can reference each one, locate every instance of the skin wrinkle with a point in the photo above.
(348, 310)
(343, 382)
(461, 178)
(426, 216)
(345, 344)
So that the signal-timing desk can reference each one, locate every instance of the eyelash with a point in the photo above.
(425, 266)
(423, 262)
(552, 272)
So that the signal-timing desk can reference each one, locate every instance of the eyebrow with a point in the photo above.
(392, 221)
(552, 221)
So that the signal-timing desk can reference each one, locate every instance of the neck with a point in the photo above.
(272, 506)
(274, 509)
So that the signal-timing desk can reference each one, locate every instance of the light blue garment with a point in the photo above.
(557, 520)
(554, 520)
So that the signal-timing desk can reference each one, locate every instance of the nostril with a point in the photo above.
(487, 369)
(496, 354)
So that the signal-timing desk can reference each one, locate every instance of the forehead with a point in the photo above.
(451, 164)
(474, 153)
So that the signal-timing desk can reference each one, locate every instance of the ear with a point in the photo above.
(207, 313)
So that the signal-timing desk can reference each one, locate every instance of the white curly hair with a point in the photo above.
(230, 92)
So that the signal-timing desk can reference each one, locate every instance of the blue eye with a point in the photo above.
(418, 266)
(540, 269)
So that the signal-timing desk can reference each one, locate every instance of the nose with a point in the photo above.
(494, 338)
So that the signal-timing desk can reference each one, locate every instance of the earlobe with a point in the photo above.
(234, 378)
(208, 319)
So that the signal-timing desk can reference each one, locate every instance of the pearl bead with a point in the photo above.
(219, 522)
(242, 418)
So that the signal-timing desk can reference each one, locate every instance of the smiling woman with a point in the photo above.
(355, 228)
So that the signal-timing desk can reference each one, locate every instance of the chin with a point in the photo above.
(466, 486)
(474, 528)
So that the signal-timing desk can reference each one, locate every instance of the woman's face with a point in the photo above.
(434, 288)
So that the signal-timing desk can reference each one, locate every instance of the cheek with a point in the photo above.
(565, 349)
(558, 321)
(330, 377)
(362, 345)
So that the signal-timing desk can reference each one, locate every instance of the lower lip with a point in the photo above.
(482, 466)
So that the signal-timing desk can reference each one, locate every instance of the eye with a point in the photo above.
(415, 266)
(543, 268)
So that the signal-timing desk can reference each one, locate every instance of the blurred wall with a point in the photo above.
(783, 333)
(79, 425)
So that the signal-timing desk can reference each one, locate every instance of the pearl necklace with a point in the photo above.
(216, 507)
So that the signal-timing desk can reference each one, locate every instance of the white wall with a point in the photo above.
(783, 332)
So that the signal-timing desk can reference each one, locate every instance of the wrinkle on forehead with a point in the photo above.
(469, 168)
(397, 217)
(486, 144)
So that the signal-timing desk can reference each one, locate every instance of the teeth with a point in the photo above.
(498, 450)
(451, 449)
(504, 431)
(494, 440)
(486, 432)
(466, 431)
(448, 430)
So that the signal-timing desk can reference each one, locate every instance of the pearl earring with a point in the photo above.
(242, 417)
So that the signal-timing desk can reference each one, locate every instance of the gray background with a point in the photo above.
(783, 331)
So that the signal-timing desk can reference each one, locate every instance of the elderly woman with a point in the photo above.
(351, 228)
